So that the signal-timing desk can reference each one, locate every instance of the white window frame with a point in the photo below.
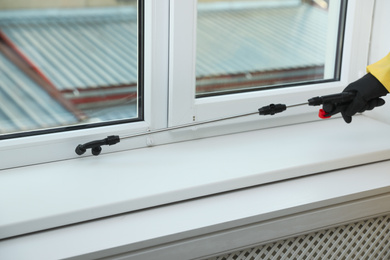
(61, 146)
(170, 39)
(184, 108)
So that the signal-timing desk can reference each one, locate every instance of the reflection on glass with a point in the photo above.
(246, 45)
(67, 62)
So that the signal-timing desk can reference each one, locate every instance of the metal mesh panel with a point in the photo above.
(368, 239)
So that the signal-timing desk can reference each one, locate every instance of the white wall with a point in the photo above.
(380, 42)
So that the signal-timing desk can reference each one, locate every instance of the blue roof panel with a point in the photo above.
(24, 105)
(232, 41)
(79, 49)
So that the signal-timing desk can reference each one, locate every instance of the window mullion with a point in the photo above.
(156, 63)
(182, 61)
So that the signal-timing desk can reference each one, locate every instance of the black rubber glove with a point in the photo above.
(368, 91)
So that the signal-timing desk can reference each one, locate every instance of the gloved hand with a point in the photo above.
(368, 91)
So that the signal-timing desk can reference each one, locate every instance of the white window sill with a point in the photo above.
(219, 223)
(46, 196)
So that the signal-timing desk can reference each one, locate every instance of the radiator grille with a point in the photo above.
(368, 239)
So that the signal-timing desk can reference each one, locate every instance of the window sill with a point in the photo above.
(45, 196)
(219, 223)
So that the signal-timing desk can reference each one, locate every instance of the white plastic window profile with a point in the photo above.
(185, 108)
(177, 102)
(60, 146)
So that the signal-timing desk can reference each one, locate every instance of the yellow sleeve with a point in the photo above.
(381, 71)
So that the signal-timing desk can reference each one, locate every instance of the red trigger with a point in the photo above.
(322, 114)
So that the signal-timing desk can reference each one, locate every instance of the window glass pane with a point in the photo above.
(67, 63)
(252, 45)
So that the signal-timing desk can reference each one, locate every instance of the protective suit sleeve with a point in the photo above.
(381, 71)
